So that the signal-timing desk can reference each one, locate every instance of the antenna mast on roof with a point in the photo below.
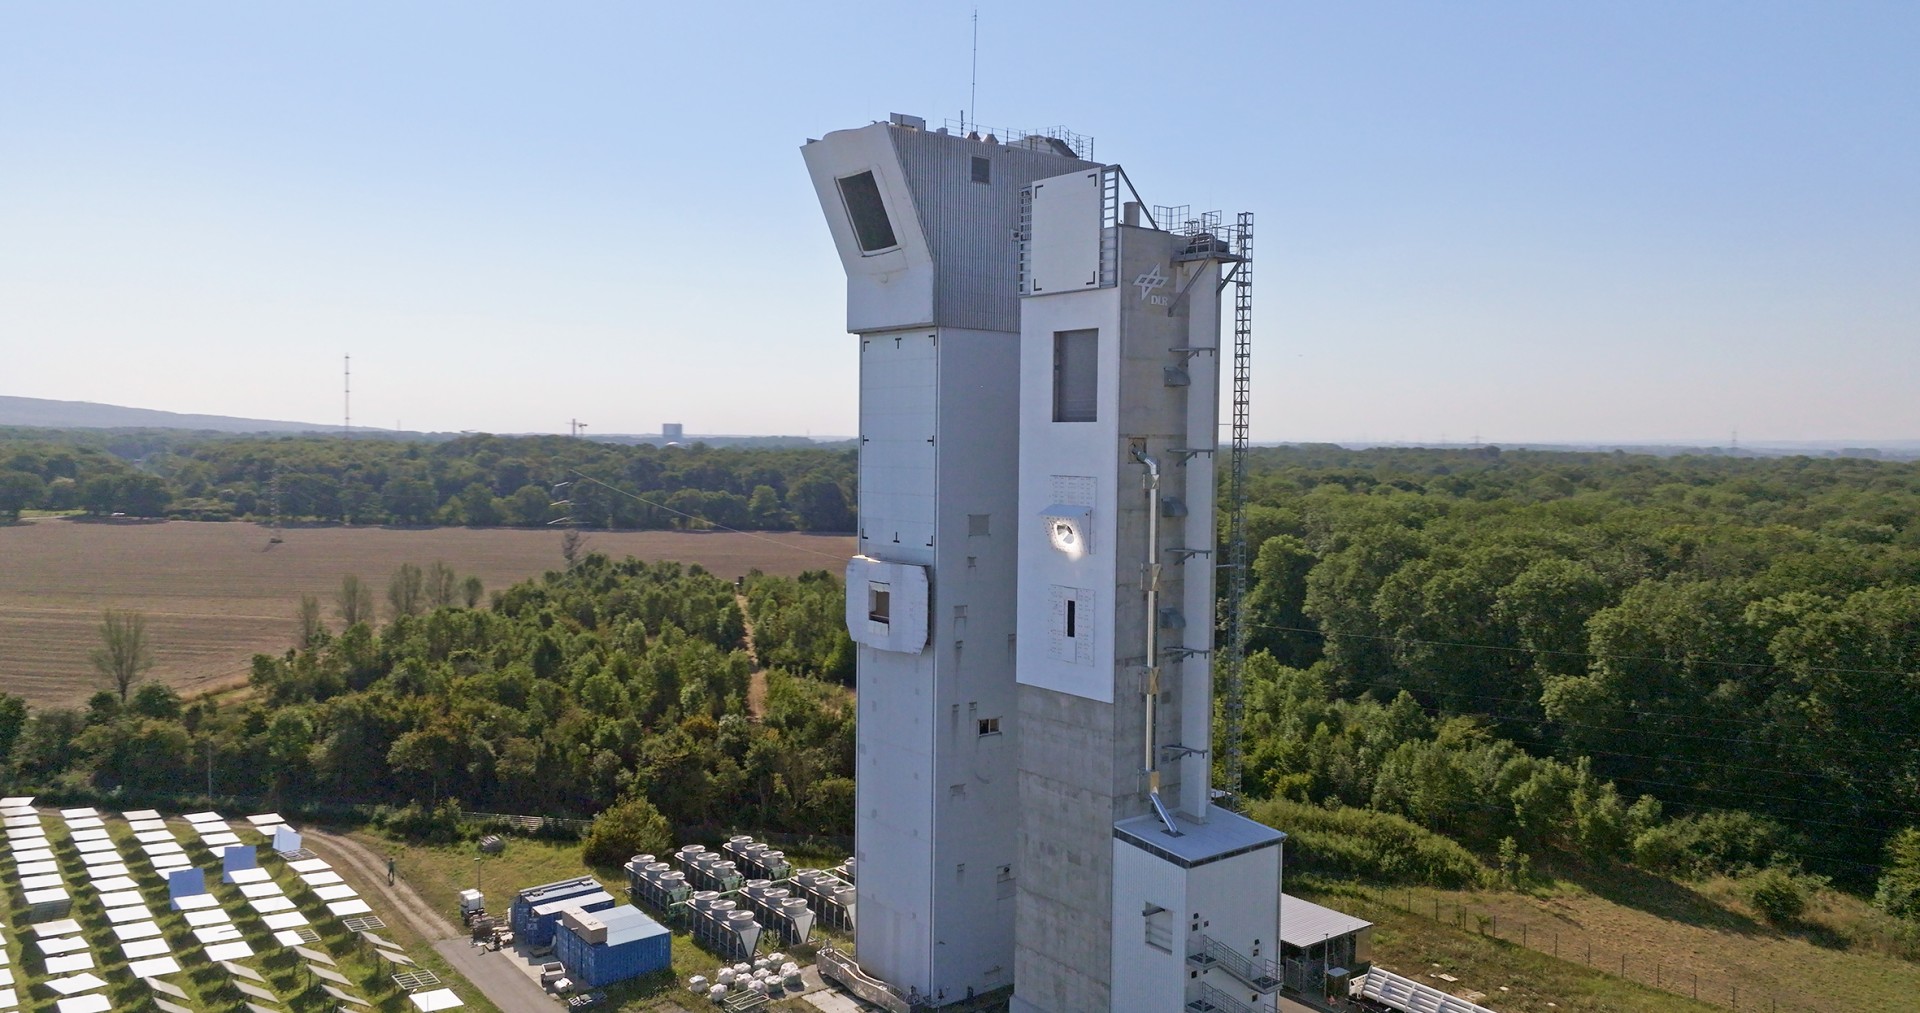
(973, 85)
(346, 394)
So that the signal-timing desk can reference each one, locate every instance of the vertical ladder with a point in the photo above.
(1236, 627)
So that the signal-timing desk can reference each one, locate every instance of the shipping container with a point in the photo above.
(520, 913)
(545, 919)
(610, 945)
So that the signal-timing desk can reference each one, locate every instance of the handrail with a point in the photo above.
(1262, 975)
(842, 969)
(1212, 1000)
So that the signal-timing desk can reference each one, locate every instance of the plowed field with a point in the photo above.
(216, 594)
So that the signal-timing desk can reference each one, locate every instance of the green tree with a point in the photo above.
(406, 591)
(442, 586)
(312, 628)
(819, 504)
(409, 500)
(19, 491)
(354, 602)
(125, 654)
(631, 826)
(471, 591)
(1898, 892)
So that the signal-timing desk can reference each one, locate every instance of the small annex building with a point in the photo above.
(599, 948)
(1322, 949)
(536, 910)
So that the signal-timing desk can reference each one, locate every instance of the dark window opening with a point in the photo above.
(1076, 378)
(879, 604)
(1072, 617)
(989, 726)
(871, 227)
(982, 170)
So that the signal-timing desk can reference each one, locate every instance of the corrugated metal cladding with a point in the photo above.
(643, 947)
(976, 270)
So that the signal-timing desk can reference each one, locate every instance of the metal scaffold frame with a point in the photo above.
(1234, 655)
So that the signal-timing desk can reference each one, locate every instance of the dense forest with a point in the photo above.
(602, 681)
(1699, 664)
(1737, 639)
(478, 480)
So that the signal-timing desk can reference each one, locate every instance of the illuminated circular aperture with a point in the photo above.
(1065, 537)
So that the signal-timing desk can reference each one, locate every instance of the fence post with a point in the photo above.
(1523, 934)
(1623, 965)
(1696, 984)
(1589, 953)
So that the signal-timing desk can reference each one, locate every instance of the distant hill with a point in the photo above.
(46, 414)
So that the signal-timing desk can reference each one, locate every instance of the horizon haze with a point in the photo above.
(1632, 224)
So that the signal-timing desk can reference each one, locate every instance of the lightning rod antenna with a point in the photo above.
(973, 86)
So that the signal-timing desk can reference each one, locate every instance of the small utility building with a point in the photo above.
(1321, 946)
(536, 910)
(601, 947)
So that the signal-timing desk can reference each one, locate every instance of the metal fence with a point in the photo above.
(1657, 970)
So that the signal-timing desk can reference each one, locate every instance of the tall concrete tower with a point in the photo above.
(924, 223)
(1136, 892)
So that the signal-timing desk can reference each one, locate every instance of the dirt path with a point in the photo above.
(429, 924)
(757, 682)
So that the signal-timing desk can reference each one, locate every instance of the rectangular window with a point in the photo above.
(1073, 618)
(978, 525)
(989, 726)
(871, 227)
(1076, 378)
(879, 603)
(982, 170)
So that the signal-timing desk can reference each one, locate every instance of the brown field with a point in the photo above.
(216, 594)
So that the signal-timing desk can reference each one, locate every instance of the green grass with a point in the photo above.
(1514, 979)
(439, 872)
(1663, 936)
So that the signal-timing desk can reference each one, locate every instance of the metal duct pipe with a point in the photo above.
(1151, 747)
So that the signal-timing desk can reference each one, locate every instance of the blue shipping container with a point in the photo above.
(545, 920)
(521, 911)
(612, 945)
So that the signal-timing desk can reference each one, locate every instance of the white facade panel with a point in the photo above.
(898, 399)
(1064, 253)
(1062, 464)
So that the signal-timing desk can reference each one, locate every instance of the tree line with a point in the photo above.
(478, 480)
(604, 682)
(1667, 660)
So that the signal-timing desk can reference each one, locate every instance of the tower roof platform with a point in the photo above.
(1224, 835)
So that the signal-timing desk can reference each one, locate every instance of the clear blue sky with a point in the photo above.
(1529, 221)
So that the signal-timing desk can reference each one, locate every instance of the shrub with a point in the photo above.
(1369, 845)
(1720, 842)
(434, 824)
(1899, 889)
(629, 827)
(1779, 895)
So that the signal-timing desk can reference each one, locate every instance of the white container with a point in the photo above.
(697, 983)
(725, 977)
(718, 994)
